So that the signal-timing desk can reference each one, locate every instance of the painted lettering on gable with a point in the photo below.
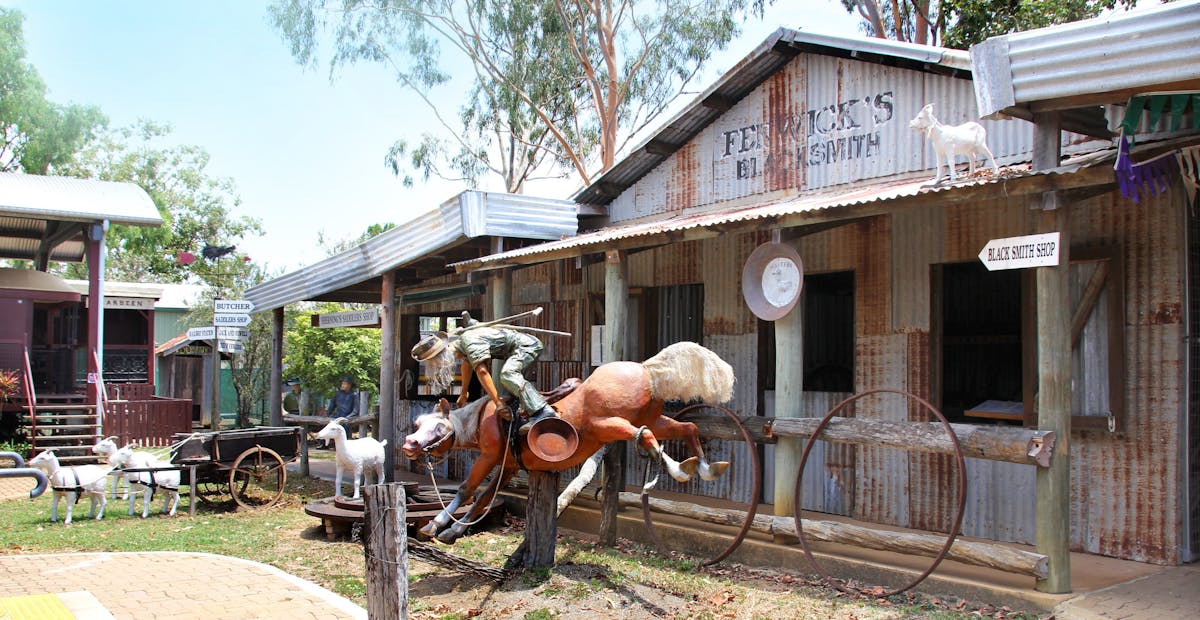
(841, 131)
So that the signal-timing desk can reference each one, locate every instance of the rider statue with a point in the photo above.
(475, 346)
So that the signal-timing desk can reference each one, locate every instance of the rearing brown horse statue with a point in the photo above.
(620, 401)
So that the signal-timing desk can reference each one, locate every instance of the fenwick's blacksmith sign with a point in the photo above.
(837, 132)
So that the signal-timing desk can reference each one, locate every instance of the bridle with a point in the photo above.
(434, 445)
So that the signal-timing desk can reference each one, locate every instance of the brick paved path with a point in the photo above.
(175, 586)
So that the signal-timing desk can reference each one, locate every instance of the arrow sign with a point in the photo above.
(232, 333)
(231, 320)
(230, 346)
(233, 305)
(202, 333)
(1022, 252)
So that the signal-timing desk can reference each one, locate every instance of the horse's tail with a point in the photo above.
(687, 371)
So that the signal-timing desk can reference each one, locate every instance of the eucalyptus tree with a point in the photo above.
(962, 23)
(556, 85)
(37, 135)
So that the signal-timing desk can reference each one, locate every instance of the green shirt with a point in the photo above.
(291, 402)
(484, 343)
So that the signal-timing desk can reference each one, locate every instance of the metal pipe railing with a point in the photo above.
(21, 471)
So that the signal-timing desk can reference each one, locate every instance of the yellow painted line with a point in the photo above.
(34, 607)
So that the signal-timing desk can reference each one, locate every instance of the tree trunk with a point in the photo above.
(541, 520)
(928, 545)
(994, 443)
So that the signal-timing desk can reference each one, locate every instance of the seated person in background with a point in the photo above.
(291, 398)
(344, 403)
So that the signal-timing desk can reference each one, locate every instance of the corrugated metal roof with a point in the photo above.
(774, 52)
(75, 200)
(725, 219)
(1111, 55)
(466, 216)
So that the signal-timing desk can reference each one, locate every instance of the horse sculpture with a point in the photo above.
(620, 401)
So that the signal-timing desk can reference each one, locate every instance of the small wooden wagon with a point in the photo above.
(247, 464)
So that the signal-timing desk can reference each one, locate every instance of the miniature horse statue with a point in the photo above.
(620, 401)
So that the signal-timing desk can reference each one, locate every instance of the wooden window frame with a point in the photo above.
(1111, 276)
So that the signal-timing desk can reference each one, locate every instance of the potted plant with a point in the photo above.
(12, 435)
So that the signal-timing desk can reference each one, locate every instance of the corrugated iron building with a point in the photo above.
(810, 135)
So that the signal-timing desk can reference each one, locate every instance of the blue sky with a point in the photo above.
(307, 155)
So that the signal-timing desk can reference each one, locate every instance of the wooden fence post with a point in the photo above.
(541, 520)
(386, 551)
(616, 323)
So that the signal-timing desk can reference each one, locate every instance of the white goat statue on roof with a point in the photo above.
(354, 455)
(949, 141)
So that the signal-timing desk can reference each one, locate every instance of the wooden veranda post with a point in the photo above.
(95, 312)
(1053, 520)
(387, 373)
(616, 323)
(789, 392)
(276, 400)
(386, 551)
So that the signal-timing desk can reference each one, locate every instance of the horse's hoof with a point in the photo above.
(714, 470)
(447, 536)
(690, 466)
(427, 531)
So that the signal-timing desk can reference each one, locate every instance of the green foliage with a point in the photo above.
(321, 357)
(962, 23)
(975, 20)
(36, 135)
(196, 208)
(556, 84)
(10, 383)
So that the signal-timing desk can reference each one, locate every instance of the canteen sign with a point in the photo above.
(1021, 252)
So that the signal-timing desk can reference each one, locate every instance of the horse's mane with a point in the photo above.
(465, 422)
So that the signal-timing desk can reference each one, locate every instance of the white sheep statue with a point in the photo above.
(354, 455)
(147, 482)
(73, 483)
(949, 141)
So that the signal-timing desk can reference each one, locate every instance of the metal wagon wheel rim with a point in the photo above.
(751, 505)
(962, 488)
(257, 467)
(208, 490)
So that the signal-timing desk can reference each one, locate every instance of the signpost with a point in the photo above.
(201, 333)
(1042, 250)
(231, 320)
(230, 317)
(222, 306)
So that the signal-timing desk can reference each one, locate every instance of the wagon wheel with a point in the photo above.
(257, 477)
(208, 491)
(751, 505)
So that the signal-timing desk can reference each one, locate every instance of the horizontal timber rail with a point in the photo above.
(975, 553)
(994, 443)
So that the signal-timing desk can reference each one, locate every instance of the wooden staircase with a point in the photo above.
(66, 424)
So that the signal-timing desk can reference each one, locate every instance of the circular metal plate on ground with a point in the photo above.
(772, 279)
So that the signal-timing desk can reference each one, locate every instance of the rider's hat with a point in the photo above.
(429, 346)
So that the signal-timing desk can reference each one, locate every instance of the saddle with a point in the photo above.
(514, 404)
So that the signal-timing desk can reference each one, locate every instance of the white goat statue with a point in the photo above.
(108, 446)
(73, 483)
(147, 482)
(949, 141)
(354, 455)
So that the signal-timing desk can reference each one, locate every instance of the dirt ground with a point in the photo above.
(632, 582)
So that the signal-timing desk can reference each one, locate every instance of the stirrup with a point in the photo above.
(544, 413)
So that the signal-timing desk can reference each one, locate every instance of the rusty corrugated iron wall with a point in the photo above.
(816, 123)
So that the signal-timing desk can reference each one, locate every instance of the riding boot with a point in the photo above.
(545, 413)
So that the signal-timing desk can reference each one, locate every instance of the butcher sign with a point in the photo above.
(1022, 252)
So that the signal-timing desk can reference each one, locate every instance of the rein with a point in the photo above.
(433, 481)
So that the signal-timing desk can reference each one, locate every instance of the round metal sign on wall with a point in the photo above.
(772, 280)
